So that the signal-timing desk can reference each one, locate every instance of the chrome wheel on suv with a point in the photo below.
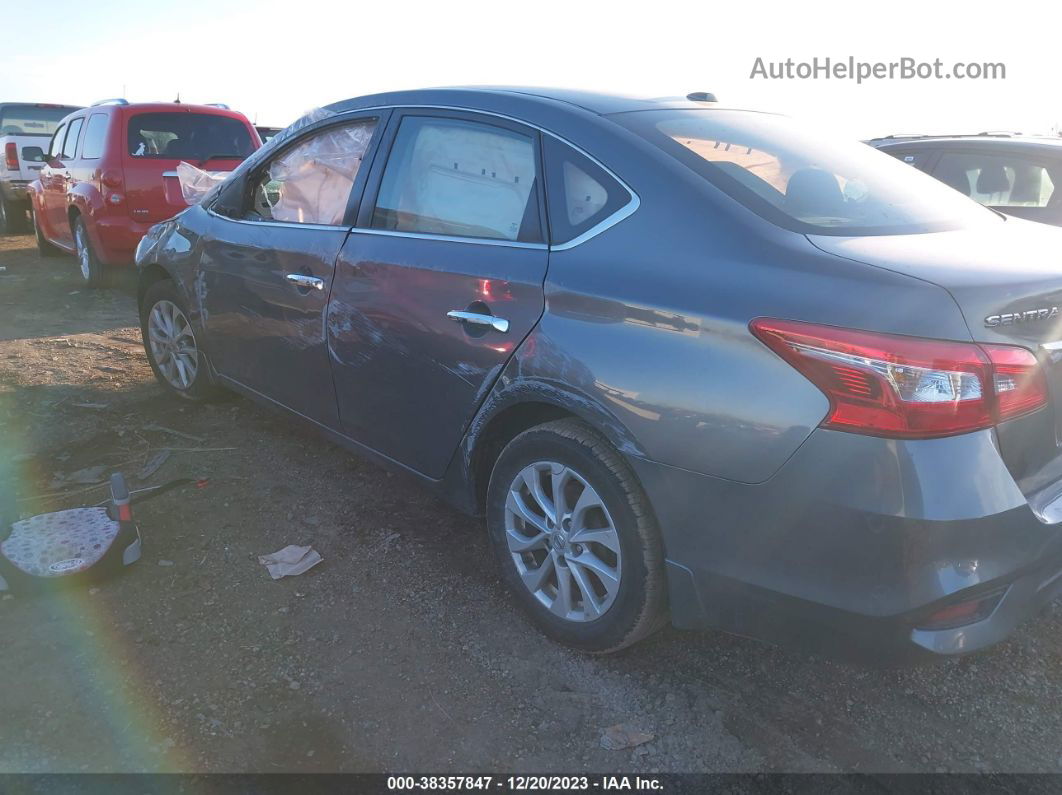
(563, 542)
(172, 343)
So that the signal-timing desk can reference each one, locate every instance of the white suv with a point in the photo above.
(25, 129)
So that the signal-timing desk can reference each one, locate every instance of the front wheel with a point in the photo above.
(575, 538)
(92, 270)
(170, 343)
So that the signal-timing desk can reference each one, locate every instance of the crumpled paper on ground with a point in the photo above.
(622, 736)
(290, 561)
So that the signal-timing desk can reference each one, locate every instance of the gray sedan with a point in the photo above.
(692, 363)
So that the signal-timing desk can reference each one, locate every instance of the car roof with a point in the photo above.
(978, 140)
(487, 98)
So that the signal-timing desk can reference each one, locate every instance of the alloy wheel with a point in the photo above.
(563, 541)
(84, 255)
(173, 344)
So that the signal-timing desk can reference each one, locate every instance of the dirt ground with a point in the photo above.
(400, 652)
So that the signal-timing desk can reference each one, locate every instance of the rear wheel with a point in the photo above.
(93, 273)
(44, 248)
(574, 534)
(171, 346)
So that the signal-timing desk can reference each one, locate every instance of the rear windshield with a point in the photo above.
(32, 119)
(804, 179)
(188, 136)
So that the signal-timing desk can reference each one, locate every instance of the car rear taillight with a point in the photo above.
(906, 387)
(960, 614)
(11, 155)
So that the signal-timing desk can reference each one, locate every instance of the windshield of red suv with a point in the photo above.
(805, 179)
(32, 119)
(188, 136)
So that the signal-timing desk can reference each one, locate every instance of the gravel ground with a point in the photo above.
(401, 651)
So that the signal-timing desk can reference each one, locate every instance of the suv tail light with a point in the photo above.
(906, 387)
(11, 155)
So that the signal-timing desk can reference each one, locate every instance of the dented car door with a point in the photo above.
(265, 276)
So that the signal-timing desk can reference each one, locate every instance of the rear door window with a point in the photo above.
(998, 180)
(460, 178)
(579, 192)
(70, 147)
(188, 136)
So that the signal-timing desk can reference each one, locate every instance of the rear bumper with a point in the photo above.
(854, 543)
(116, 239)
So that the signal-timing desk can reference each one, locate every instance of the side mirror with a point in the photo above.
(33, 154)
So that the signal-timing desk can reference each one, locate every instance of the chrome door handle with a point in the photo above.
(497, 323)
(302, 280)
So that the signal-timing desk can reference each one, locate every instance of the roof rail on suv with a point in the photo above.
(111, 101)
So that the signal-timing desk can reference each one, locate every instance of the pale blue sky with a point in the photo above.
(272, 59)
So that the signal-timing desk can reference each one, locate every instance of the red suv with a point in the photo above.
(109, 174)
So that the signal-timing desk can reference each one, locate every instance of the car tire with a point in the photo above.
(606, 543)
(93, 272)
(170, 344)
(11, 218)
(44, 248)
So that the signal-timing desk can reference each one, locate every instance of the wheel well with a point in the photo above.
(502, 428)
(148, 276)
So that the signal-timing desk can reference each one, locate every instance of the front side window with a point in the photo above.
(998, 180)
(70, 147)
(310, 183)
(56, 146)
(95, 132)
(188, 136)
(581, 193)
(459, 178)
(802, 178)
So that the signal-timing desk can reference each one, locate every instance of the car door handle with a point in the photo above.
(307, 282)
(497, 323)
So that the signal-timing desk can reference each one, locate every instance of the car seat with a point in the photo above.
(814, 192)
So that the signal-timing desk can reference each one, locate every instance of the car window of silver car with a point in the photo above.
(310, 183)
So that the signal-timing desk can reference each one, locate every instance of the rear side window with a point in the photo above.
(187, 136)
(95, 133)
(580, 193)
(56, 146)
(70, 147)
(997, 180)
(459, 178)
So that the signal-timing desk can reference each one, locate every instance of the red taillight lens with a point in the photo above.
(905, 387)
(11, 155)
